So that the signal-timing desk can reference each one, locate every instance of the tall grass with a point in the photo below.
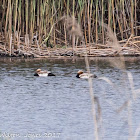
(35, 16)
(118, 63)
(72, 22)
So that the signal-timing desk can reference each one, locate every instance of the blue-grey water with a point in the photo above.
(60, 107)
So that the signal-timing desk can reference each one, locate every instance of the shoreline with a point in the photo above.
(127, 47)
(69, 52)
(68, 59)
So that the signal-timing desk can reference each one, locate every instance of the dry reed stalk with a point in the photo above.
(128, 41)
(15, 19)
(6, 22)
(26, 9)
(89, 20)
(109, 13)
(27, 42)
(113, 14)
(77, 31)
(96, 24)
(50, 32)
(132, 19)
(28, 17)
(37, 44)
(121, 65)
(103, 21)
(135, 5)
(92, 99)
(10, 37)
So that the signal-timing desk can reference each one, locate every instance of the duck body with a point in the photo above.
(83, 75)
(41, 73)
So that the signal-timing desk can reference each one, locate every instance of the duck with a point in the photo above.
(81, 74)
(39, 72)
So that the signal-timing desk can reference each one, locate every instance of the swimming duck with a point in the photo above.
(39, 72)
(81, 74)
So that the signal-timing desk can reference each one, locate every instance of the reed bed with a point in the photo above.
(40, 23)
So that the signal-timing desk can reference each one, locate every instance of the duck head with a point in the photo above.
(37, 71)
(79, 73)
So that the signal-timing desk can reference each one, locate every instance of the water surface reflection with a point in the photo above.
(62, 104)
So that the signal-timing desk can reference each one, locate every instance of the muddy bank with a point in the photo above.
(69, 52)
(128, 47)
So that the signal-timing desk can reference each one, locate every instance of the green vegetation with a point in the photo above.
(44, 19)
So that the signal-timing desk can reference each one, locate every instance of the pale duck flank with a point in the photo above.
(81, 74)
(41, 73)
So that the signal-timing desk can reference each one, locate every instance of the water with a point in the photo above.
(59, 108)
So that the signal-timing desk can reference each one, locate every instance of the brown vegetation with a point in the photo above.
(31, 28)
